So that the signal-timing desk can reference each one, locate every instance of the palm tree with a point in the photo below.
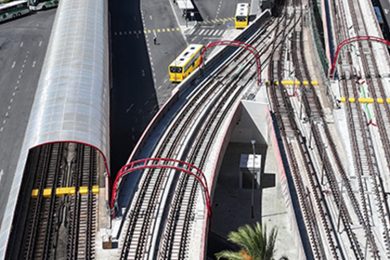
(253, 242)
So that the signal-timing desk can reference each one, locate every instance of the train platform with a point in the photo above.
(232, 204)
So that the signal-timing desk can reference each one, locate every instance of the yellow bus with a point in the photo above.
(185, 63)
(241, 19)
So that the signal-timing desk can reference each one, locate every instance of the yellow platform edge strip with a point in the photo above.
(65, 191)
(363, 100)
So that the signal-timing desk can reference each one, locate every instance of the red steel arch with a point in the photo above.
(349, 41)
(244, 45)
(161, 163)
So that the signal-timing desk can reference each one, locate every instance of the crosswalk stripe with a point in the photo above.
(201, 32)
(163, 30)
(216, 32)
(177, 29)
(220, 32)
(168, 30)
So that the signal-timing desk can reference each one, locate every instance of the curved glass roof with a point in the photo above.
(72, 98)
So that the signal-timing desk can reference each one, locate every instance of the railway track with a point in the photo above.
(49, 215)
(204, 112)
(331, 162)
(365, 160)
(300, 160)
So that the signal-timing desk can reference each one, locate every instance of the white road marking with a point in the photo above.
(216, 32)
(40, 43)
(21, 45)
(177, 21)
(129, 108)
(33, 64)
(24, 60)
(11, 100)
(13, 94)
(151, 18)
(159, 87)
(9, 107)
(17, 82)
(13, 64)
(2, 171)
(5, 121)
(20, 76)
(202, 31)
(1, 129)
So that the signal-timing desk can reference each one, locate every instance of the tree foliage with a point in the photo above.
(254, 243)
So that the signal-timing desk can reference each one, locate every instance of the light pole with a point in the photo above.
(253, 142)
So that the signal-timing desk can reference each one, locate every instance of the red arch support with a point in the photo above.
(244, 45)
(162, 163)
(349, 41)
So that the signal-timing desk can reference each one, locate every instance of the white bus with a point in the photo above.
(37, 5)
(13, 9)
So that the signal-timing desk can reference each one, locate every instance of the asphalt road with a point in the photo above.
(23, 44)
(133, 96)
(138, 87)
